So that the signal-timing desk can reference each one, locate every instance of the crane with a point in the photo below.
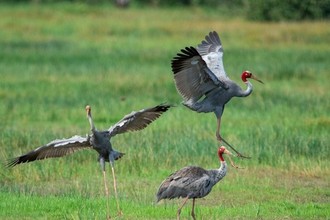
(97, 140)
(201, 80)
(192, 182)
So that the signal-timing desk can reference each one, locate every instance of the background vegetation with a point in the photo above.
(261, 10)
(56, 58)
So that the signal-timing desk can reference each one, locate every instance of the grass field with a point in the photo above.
(55, 59)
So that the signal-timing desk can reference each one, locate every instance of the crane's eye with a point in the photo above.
(221, 149)
(247, 74)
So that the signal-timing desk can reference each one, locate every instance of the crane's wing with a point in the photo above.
(192, 77)
(189, 173)
(182, 182)
(138, 120)
(56, 148)
(212, 52)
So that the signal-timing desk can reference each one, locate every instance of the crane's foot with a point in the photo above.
(242, 156)
(238, 154)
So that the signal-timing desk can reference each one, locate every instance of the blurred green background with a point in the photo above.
(57, 57)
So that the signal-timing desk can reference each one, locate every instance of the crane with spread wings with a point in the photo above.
(97, 140)
(201, 80)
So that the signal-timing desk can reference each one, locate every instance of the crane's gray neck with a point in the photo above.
(218, 174)
(91, 123)
(248, 89)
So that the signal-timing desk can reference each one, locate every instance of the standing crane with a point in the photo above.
(201, 80)
(192, 182)
(98, 140)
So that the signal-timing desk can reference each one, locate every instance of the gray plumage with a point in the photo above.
(56, 148)
(201, 80)
(192, 182)
(98, 140)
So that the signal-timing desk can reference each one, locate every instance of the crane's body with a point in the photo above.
(100, 141)
(201, 79)
(216, 99)
(192, 182)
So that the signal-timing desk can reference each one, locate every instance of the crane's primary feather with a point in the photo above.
(138, 120)
(56, 148)
(192, 76)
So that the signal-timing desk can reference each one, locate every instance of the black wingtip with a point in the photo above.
(163, 107)
(187, 53)
(12, 162)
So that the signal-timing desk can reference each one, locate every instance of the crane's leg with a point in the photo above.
(193, 209)
(102, 162)
(219, 138)
(105, 184)
(115, 187)
(217, 133)
(179, 209)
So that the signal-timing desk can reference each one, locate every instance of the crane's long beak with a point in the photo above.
(228, 152)
(255, 78)
(229, 157)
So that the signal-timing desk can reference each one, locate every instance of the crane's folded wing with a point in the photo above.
(182, 182)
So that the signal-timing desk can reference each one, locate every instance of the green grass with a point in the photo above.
(55, 59)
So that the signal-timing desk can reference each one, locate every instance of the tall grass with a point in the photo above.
(55, 59)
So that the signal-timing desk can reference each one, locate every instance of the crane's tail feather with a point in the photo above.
(114, 155)
(117, 155)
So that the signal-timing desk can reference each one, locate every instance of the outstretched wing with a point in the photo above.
(212, 52)
(138, 120)
(56, 148)
(192, 77)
